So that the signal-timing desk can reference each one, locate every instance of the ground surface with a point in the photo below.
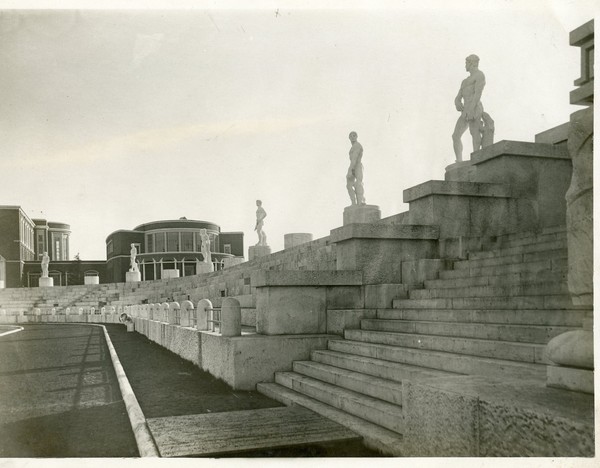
(59, 395)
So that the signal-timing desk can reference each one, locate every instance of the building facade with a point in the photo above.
(23, 239)
(168, 245)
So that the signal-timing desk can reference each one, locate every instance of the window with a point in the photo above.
(160, 242)
(149, 243)
(109, 247)
(187, 241)
(172, 242)
(227, 248)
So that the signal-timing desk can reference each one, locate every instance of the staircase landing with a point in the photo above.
(244, 431)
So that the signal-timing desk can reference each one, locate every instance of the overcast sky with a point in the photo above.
(110, 119)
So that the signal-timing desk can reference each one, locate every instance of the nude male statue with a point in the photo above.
(205, 246)
(354, 177)
(261, 214)
(132, 256)
(472, 116)
(45, 263)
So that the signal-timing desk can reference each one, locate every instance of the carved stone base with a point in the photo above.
(361, 214)
(133, 277)
(46, 282)
(258, 251)
(204, 267)
(91, 280)
(570, 378)
(168, 274)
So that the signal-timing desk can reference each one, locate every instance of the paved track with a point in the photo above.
(59, 396)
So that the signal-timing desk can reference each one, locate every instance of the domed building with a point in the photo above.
(168, 245)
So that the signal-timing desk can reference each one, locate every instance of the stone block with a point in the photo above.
(381, 296)
(133, 277)
(417, 271)
(361, 214)
(46, 282)
(570, 378)
(296, 238)
(256, 251)
(291, 310)
(344, 297)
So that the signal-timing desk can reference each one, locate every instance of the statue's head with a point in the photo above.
(353, 136)
(258, 203)
(132, 245)
(472, 60)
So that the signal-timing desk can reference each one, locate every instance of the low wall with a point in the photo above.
(241, 361)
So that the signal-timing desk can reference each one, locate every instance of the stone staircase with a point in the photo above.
(490, 315)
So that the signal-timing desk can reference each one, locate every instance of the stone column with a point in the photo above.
(572, 353)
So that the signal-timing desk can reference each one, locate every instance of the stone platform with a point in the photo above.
(242, 431)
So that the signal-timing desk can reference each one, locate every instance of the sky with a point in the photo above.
(113, 118)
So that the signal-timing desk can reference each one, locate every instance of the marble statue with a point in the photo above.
(205, 246)
(45, 263)
(472, 116)
(261, 214)
(132, 256)
(354, 176)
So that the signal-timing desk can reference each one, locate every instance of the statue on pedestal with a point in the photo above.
(205, 249)
(261, 214)
(132, 256)
(45, 264)
(354, 176)
(472, 116)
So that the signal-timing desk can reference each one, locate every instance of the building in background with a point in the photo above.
(169, 245)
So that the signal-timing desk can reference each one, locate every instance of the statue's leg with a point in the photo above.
(350, 188)
(475, 129)
(459, 129)
(358, 185)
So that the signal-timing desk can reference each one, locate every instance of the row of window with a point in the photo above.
(179, 241)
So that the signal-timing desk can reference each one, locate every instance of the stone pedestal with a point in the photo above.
(296, 238)
(130, 327)
(91, 280)
(361, 214)
(201, 268)
(133, 277)
(168, 274)
(46, 282)
(256, 251)
(461, 171)
(2, 286)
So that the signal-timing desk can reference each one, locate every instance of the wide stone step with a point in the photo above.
(452, 362)
(519, 249)
(511, 351)
(555, 265)
(517, 258)
(550, 317)
(524, 238)
(487, 331)
(532, 289)
(374, 436)
(498, 302)
(375, 387)
(375, 367)
(498, 280)
(371, 409)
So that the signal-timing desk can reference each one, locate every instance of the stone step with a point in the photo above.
(487, 331)
(509, 259)
(531, 289)
(498, 280)
(375, 367)
(557, 265)
(374, 436)
(498, 302)
(549, 317)
(519, 249)
(507, 350)
(368, 408)
(375, 387)
(451, 362)
(529, 237)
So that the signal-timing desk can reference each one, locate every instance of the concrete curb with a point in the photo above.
(143, 438)
(17, 329)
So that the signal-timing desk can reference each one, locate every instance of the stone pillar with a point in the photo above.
(572, 353)
(202, 313)
(255, 251)
(133, 277)
(296, 238)
(231, 317)
(361, 214)
(46, 282)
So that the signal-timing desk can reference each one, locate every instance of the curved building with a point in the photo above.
(168, 245)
